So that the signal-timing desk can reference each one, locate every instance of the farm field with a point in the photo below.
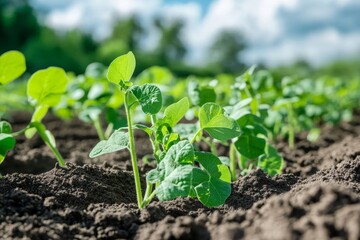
(316, 196)
(230, 174)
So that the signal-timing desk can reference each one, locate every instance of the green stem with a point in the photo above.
(133, 154)
(148, 199)
(18, 133)
(56, 152)
(242, 162)
(153, 119)
(109, 130)
(291, 127)
(99, 129)
(211, 145)
(232, 156)
(194, 137)
(149, 188)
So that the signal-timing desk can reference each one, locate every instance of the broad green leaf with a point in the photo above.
(12, 65)
(5, 127)
(116, 142)
(215, 189)
(250, 146)
(122, 69)
(155, 74)
(176, 184)
(176, 111)
(45, 87)
(213, 120)
(174, 172)
(251, 123)
(149, 98)
(271, 162)
(199, 95)
(7, 142)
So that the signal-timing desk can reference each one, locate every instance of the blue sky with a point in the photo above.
(277, 31)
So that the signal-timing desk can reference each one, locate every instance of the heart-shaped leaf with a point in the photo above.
(12, 65)
(5, 127)
(149, 97)
(121, 69)
(116, 142)
(271, 162)
(45, 87)
(213, 120)
(250, 146)
(214, 189)
(176, 111)
(7, 142)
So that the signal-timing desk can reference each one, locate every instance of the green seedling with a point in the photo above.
(91, 98)
(181, 170)
(44, 90)
(12, 66)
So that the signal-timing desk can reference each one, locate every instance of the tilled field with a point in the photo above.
(317, 197)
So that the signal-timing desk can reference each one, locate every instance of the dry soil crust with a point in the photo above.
(317, 197)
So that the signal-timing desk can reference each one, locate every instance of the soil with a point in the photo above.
(317, 196)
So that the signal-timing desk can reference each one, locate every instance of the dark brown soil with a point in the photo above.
(317, 197)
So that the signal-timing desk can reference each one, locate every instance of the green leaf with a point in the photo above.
(45, 87)
(200, 95)
(149, 97)
(155, 74)
(169, 140)
(12, 65)
(271, 162)
(121, 69)
(7, 142)
(116, 142)
(213, 120)
(250, 146)
(174, 172)
(215, 189)
(5, 127)
(176, 111)
(176, 184)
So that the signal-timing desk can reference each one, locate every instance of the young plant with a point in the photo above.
(44, 90)
(12, 66)
(181, 170)
(90, 97)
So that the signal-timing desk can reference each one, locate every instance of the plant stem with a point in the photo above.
(242, 162)
(148, 199)
(133, 154)
(194, 137)
(20, 132)
(149, 188)
(153, 119)
(56, 152)
(99, 129)
(211, 145)
(232, 156)
(291, 127)
(109, 130)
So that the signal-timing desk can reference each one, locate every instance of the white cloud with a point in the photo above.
(277, 31)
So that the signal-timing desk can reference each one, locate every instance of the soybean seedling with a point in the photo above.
(181, 170)
(44, 90)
